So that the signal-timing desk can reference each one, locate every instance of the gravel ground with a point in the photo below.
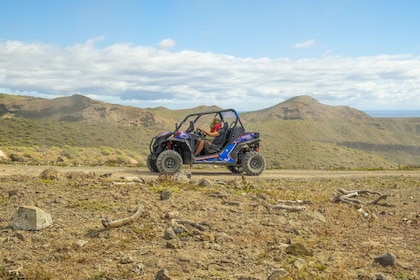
(210, 224)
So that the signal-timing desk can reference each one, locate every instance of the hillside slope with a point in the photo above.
(75, 108)
(297, 133)
(306, 108)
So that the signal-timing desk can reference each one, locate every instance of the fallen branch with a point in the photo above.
(107, 223)
(343, 191)
(187, 222)
(233, 203)
(348, 197)
(382, 197)
(294, 201)
(292, 208)
(13, 268)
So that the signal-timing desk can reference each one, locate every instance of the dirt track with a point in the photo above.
(208, 172)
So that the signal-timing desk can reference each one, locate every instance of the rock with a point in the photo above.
(80, 175)
(15, 193)
(298, 249)
(380, 276)
(3, 156)
(139, 269)
(31, 218)
(278, 274)
(132, 161)
(387, 259)
(316, 216)
(80, 242)
(162, 275)
(299, 264)
(165, 195)
(182, 177)
(17, 158)
(50, 174)
(20, 236)
(174, 244)
(126, 260)
(204, 183)
(170, 233)
(172, 215)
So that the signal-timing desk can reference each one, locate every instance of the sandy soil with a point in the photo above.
(210, 225)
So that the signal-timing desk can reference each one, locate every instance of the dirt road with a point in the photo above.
(208, 172)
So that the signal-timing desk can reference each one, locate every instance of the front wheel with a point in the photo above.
(169, 161)
(253, 163)
(151, 164)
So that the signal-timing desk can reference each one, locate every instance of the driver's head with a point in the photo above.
(215, 125)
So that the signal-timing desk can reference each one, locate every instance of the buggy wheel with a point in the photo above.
(253, 163)
(151, 164)
(235, 169)
(169, 161)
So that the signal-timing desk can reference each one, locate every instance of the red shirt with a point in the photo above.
(215, 127)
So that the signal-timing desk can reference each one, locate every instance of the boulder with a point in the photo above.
(388, 259)
(3, 156)
(31, 218)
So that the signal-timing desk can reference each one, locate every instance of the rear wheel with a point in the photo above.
(151, 164)
(169, 161)
(253, 163)
(235, 169)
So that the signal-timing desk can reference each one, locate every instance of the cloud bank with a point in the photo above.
(155, 76)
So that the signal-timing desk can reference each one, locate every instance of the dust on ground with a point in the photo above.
(210, 224)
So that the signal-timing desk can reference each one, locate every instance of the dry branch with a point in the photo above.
(233, 203)
(348, 197)
(188, 222)
(294, 201)
(292, 208)
(375, 201)
(107, 223)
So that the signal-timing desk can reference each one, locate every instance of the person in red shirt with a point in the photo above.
(216, 131)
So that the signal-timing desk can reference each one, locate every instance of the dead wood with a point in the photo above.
(376, 200)
(294, 201)
(348, 197)
(291, 208)
(199, 226)
(107, 223)
(343, 191)
(233, 203)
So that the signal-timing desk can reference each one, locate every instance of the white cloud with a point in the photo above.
(149, 77)
(166, 44)
(304, 45)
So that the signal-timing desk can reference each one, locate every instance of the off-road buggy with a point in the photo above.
(239, 150)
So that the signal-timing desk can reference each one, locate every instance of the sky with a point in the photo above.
(242, 54)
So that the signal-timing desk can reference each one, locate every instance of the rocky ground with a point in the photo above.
(209, 224)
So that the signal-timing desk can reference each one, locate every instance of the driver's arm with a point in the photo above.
(211, 134)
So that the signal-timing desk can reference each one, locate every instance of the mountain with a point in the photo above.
(297, 133)
(307, 108)
(73, 109)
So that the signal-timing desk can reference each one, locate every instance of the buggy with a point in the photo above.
(238, 151)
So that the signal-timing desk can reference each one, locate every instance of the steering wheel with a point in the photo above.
(199, 133)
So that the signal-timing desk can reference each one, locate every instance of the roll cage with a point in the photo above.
(228, 117)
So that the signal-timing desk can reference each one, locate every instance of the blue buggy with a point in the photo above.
(238, 151)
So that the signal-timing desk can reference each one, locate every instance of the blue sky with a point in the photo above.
(244, 54)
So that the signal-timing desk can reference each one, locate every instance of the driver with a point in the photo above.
(217, 132)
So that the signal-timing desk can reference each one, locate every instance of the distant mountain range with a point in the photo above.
(297, 133)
